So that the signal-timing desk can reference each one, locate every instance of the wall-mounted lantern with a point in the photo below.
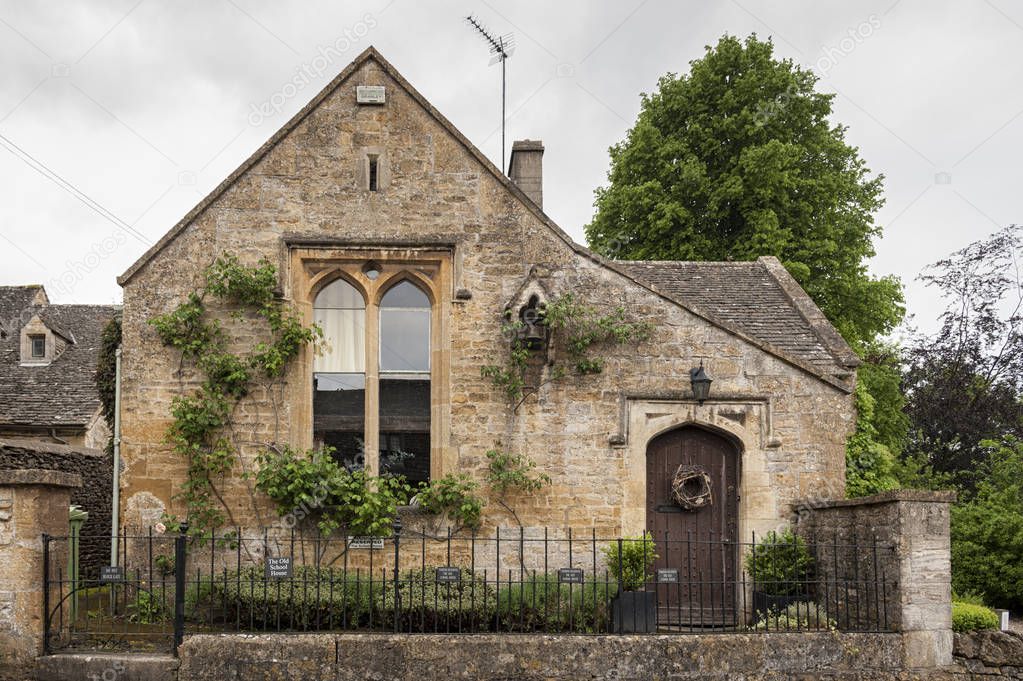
(700, 381)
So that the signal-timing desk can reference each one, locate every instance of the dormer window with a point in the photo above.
(38, 345)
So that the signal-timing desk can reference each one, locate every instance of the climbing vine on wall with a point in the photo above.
(106, 372)
(577, 329)
(201, 420)
(511, 475)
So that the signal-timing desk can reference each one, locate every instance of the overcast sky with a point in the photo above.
(135, 109)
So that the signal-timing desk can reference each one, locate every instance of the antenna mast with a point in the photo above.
(501, 47)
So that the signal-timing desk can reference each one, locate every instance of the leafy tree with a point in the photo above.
(869, 464)
(964, 383)
(738, 159)
(987, 530)
(872, 452)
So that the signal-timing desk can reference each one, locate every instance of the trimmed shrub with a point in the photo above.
(633, 559)
(780, 564)
(313, 598)
(797, 617)
(542, 603)
(970, 617)
(426, 605)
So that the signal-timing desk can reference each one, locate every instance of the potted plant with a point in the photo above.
(780, 568)
(633, 610)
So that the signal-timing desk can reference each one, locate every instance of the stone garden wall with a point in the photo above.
(981, 656)
(356, 657)
(915, 566)
(988, 655)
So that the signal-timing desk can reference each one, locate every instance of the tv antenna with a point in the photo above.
(501, 47)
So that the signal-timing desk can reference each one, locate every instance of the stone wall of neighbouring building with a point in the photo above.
(95, 468)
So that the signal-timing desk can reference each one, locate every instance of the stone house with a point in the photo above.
(407, 245)
(48, 357)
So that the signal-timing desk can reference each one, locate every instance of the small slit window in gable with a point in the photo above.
(373, 174)
(38, 346)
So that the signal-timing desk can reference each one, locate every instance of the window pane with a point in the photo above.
(339, 415)
(348, 449)
(339, 397)
(405, 294)
(404, 340)
(405, 426)
(341, 295)
(344, 335)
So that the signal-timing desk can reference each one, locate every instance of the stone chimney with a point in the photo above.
(526, 168)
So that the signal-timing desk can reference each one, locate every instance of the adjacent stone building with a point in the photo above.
(48, 358)
(408, 247)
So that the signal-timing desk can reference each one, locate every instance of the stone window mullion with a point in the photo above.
(372, 433)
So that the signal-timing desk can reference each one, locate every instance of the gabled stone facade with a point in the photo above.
(443, 216)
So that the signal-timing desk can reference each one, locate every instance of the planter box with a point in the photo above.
(764, 603)
(634, 612)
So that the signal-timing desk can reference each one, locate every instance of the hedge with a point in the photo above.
(970, 617)
(322, 598)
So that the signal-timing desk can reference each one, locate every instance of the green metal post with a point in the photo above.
(77, 518)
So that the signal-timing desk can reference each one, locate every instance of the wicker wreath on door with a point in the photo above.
(691, 487)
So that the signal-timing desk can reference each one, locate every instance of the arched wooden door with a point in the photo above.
(699, 543)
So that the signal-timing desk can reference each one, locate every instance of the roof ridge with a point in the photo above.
(809, 310)
(687, 262)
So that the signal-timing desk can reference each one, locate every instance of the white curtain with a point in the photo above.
(345, 334)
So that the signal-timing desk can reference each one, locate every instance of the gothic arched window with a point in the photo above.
(380, 374)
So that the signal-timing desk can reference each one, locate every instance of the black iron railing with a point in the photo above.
(514, 581)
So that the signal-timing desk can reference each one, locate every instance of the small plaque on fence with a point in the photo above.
(111, 573)
(570, 576)
(278, 568)
(365, 542)
(667, 576)
(448, 575)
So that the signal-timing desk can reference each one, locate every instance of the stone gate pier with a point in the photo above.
(33, 502)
